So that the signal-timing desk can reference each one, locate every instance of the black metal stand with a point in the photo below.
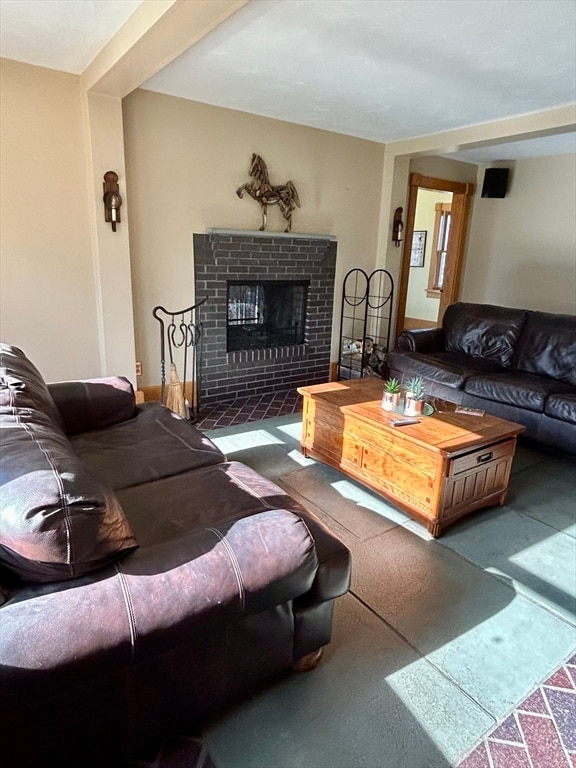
(181, 332)
(365, 323)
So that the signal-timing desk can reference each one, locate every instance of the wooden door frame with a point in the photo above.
(461, 199)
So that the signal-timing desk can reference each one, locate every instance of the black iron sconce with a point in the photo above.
(397, 228)
(112, 199)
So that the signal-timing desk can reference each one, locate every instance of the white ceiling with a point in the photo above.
(384, 70)
(60, 34)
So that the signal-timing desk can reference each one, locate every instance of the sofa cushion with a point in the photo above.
(561, 407)
(19, 374)
(548, 346)
(448, 368)
(155, 444)
(57, 520)
(483, 330)
(93, 403)
(523, 390)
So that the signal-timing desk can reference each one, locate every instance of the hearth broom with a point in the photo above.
(175, 396)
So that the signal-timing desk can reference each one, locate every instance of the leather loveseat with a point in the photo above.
(514, 363)
(145, 581)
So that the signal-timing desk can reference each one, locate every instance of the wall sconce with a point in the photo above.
(397, 228)
(112, 199)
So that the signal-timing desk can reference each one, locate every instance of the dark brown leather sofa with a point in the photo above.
(145, 581)
(514, 363)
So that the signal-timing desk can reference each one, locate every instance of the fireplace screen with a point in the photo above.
(266, 314)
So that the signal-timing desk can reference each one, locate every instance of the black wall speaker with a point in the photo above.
(495, 182)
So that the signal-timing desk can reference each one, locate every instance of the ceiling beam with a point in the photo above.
(548, 122)
(153, 36)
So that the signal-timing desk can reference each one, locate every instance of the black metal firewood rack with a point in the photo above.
(365, 323)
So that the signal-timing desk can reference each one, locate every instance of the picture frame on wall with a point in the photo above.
(418, 248)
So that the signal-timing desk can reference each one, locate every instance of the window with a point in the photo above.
(442, 221)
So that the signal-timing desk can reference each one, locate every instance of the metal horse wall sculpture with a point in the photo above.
(283, 195)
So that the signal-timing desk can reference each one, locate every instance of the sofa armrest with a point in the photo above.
(217, 575)
(93, 403)
(155, 599)
(421, 340)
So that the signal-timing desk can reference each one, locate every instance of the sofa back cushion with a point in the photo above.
(548, 346)
(154, 445)
(93, 403)
(58, 521)
(483, 330)
(20, 376)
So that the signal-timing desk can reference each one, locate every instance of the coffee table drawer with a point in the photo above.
(482, 456)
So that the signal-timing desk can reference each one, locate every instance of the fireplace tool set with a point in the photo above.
(181, 336)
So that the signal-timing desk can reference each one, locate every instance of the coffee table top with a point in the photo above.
(444, 431)
(347, 392)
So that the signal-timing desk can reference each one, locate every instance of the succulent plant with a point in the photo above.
(392, 386)
(416, 388)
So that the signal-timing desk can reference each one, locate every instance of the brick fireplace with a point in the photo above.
(224, 261)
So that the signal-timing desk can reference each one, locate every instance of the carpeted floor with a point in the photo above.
(451, 652)
(178, 752)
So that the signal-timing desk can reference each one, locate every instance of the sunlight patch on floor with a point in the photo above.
(352, 492)
(243, 440)
(296, 456)
(531, 557)
(436, 704)
(293, 430)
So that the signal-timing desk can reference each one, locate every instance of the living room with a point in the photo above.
(78, 297)
(160, 145)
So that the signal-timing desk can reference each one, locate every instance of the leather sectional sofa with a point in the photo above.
(145, 581)
(514, 363)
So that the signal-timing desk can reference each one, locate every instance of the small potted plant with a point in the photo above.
(415, 395)
(391, 396)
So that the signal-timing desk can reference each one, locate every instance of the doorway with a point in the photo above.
(435, 234)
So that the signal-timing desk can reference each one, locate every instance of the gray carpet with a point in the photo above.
(351, 512)
(177, 752)
(438, 641)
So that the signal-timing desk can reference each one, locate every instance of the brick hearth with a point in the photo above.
(221, 256)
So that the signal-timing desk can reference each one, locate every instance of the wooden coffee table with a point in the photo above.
(444, 467)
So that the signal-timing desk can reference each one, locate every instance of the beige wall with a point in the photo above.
(184, 161)
(47, 304)
(522, 248)
(111, 250)
(59, 265)
(445, 168)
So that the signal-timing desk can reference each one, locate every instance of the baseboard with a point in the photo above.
(151, 393)
(154, 392)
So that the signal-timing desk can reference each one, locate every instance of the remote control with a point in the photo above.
(403, 422)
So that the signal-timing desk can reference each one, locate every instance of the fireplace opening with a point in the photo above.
(266, 313)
